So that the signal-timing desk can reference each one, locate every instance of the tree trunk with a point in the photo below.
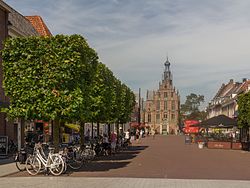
(117, 128)
(98, 129)
(82, 127)
(56, 134)
(22, 132)
(109, 130)
(92, 131)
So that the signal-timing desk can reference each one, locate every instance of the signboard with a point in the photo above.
(3, 145)
(187, 126)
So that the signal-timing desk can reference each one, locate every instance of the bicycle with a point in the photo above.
(53, 161)
(20, 157)
(72, 157)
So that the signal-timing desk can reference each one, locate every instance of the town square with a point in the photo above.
(124, 93)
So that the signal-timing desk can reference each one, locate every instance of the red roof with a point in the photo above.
(39, 25)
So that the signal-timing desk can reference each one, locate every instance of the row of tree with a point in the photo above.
(61, 79)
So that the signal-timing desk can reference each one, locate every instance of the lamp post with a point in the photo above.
(139, 109)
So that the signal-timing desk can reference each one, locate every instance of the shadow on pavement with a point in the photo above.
(105, 163)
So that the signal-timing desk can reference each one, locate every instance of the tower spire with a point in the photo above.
(167, 72)
(167, 65)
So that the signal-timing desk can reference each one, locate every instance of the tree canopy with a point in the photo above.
(60, 77)
(190, 109)
(244, 110)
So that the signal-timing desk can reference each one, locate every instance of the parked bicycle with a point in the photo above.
(72, 157)
(20, 157)
(53, 163)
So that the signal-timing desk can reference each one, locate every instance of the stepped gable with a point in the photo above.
(150, 95)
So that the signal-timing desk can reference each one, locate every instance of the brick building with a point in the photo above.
(161, 108)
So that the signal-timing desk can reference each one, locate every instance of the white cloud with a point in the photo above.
(208, 42)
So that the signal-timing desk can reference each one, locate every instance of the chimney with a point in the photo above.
(244, 80)
(231, 80)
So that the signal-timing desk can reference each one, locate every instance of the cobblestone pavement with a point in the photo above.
(168, 157)
(74, 182)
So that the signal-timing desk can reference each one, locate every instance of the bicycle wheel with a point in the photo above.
(75, 165)
(20, 164)
(57, 165)
(74, 160)
(65, 164)
(33, 165)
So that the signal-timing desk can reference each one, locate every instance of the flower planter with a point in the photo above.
(219, 145)
(200, 145)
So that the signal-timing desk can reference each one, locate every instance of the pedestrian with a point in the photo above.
(127, 136)
(153, 133)
(105, 142)
(141, 134)
(113, 138)
(137, 133)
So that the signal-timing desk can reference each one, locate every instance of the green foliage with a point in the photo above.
(128, 102)
(97, 94)
(60, 78)
(43, 75)
(244, 110)
(190, 109)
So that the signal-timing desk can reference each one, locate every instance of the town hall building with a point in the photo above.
(162, 106)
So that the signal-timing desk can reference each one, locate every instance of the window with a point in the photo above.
(159, 95)
(165, 105)
(173, 105)
(172, 117)
(149, 117)
(165, 115)
(158, 105)
(165, 95)
(172, 94)
(157, 118)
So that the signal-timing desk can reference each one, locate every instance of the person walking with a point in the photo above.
(106, 144)
(127, 137)
(153, 133)
(141, 134)
(113, 138)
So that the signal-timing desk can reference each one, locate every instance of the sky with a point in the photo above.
(207, 42)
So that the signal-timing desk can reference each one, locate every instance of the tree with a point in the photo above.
(244, 110)
(190, 109)
(43, 77)
(60, 78)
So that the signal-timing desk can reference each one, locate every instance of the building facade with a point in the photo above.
(225, 100)
(161, 108)
(4, 13)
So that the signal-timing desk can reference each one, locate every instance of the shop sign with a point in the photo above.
(3, 145)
